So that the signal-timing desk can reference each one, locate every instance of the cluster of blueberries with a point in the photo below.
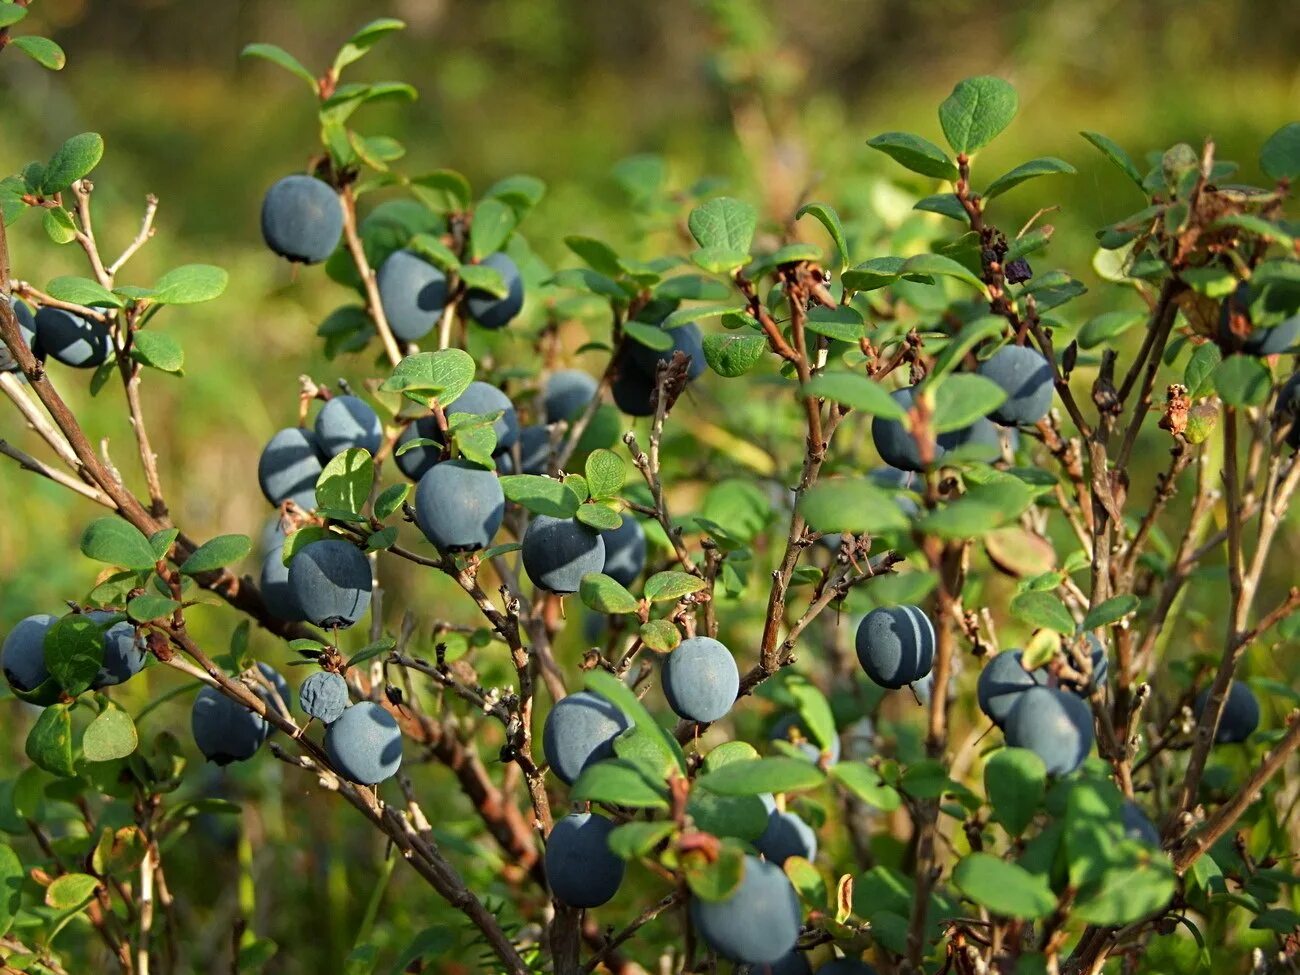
(22, 656)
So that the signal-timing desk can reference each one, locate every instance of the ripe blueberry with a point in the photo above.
(302, 219)
(1054, 724)
(785, 836)
(624, 550)
(323, 695)
(276, 591)
(701, 679)
(71, 339)
(581, 869)
(534, 452)
(331, 581)
(289, 466)
(758, 923)
(1239, 717)
(224, 730)
(346, 422)
(22, 657)
(413, 293)
(124, 651)
(365, 744)
(894, 442)
(895, 645)
(1136, 824)
(1026, 377)
(1001, 682)
(632, 390)
(566, 394)
(484, 399)
(686, 338)
(558, 552)
(459, 506)
(418, 461)
(1282, 337)
(580, 731)
(489, 310)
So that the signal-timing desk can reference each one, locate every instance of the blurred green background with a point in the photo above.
(779, 107)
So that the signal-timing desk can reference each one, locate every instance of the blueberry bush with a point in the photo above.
(906, 665)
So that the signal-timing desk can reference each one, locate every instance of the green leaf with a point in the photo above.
(1198, 377)
(1044, 166)
(278, 55)
(938, 264)
(346, 481)
(1122, 895)
(697, 313)
(1042, 609)
(619, 783)
(58, 223)
(42, 50)
(865, 782)
(480, 277)
(49, 743)
(1242, 380)
(963, 398)
(976, 111)
(1016, 781)
(428, 376)
(720, 260)
(364, 39)
(843, 323)
(637, 839)
(715, 879)
(190, 284)
(82, 291)
(74, 652)
(443, 190)
(606, 595)
(723, 224)
(1004, 888)
(150, 606)
(221, 551)
(390, 500)
(621, 696)
(596, 254)
(11, 882)
(826, 215)
(494, 222)
(599, 516)
(1118, 156)
(917, 154)
(971, 335)
(541, 495)
(660, 635)
(733, 355)
(301, 539)
(116, 542)
(851, 504)
(110, 736)
(755, 776)
(944, 204)
(671, 585)
(1279, 157)
(73, 160)
(521, 192)
(814, 712)
(11, 13)
(70, 891)
(1106, 327)
(605, 472)
(158, 350)
(857, 392)
(370, 651)
(1111, 611)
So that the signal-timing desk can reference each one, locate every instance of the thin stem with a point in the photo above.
(358, 252)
